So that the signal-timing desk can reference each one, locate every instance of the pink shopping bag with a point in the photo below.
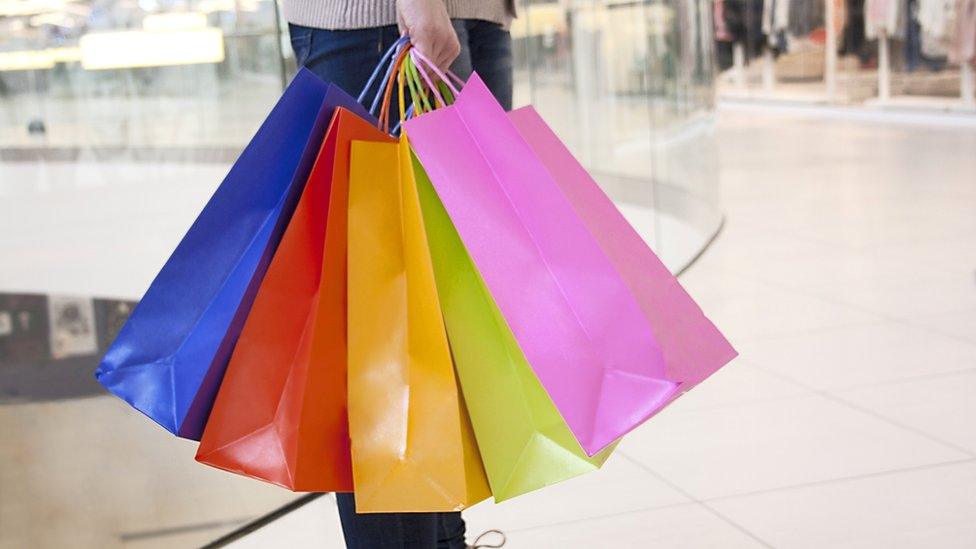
(570, 308)
(693, 347)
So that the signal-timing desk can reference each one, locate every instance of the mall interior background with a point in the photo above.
(119, 117)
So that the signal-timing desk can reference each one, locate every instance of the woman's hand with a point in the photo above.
(430, 30)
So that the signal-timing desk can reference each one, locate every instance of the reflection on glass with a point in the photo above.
(125, 75)
(628, 85)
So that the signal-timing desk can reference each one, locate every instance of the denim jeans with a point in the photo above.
(399, 530)
(347, 57)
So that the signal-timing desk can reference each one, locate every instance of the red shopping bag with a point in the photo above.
(280, 414)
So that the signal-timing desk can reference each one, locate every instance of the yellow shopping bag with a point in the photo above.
(413, 448)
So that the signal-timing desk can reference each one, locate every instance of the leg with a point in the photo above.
(450, 531)
(490, 48)
(462, 65)
(345, 58)
(387, 530)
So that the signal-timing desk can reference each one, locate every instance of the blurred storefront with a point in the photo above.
(915, 54)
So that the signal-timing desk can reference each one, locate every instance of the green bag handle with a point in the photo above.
(416, 85)
(414, 80)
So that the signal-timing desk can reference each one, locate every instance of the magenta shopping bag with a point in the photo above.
(693, 347)
(571, 309)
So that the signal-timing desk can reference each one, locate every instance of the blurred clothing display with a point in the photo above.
(767, 24)
(775, 22)
(962, 48)
(722, 33)
(853, 41)
(930, 34)
(923, 48)
(806, 16)
(935, 18)
(883, 17)
(743, 23)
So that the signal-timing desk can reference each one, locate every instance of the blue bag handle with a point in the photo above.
(372, 78)
(388, 76)
(396, 129)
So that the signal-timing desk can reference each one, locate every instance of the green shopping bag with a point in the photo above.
(524, 442)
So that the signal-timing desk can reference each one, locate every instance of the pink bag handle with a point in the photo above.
(429, 80)
(445, 76)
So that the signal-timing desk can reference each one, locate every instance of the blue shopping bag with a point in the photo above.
(169, 358)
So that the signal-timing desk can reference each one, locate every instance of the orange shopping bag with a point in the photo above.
(413, 448)
(280, 415)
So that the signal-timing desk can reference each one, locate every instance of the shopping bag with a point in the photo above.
(524, 442)
(573, 315)
(169, 358)
(693, 347)
(280, 414)
(412, 444)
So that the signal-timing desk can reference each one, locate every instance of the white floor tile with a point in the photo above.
(619, 487)
(737, 383)
(941, 406)
(925, 508)
(831, 270)
(742, 307)
(907, 298)
(763, 445)
(850, 356)
(686, 526)
(960, 324)
(170, 540)
(313, 526)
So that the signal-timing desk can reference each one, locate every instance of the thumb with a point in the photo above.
(401, 24)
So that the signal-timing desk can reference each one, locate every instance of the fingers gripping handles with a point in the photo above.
(428, 86)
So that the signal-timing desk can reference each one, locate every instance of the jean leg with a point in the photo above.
(491, 58)
(345, 58)
(387, 530)
(450, 531)
(462, 65)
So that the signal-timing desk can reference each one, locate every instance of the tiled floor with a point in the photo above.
(845, 276)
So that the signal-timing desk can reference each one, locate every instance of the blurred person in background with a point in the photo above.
(342, 41)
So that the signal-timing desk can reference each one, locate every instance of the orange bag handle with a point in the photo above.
(384, 118)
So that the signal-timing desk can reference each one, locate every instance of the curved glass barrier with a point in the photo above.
(628, 85)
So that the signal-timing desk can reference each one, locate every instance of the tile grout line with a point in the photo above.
(696, 501)
(840, 480)
(824, 482)
(602, 517)
(901, 380)
(936, 331)
(853, 306)
(869, 412)
(896, 423)
(836, 391)
(811, 331)
(806, 391)
(738, 403)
